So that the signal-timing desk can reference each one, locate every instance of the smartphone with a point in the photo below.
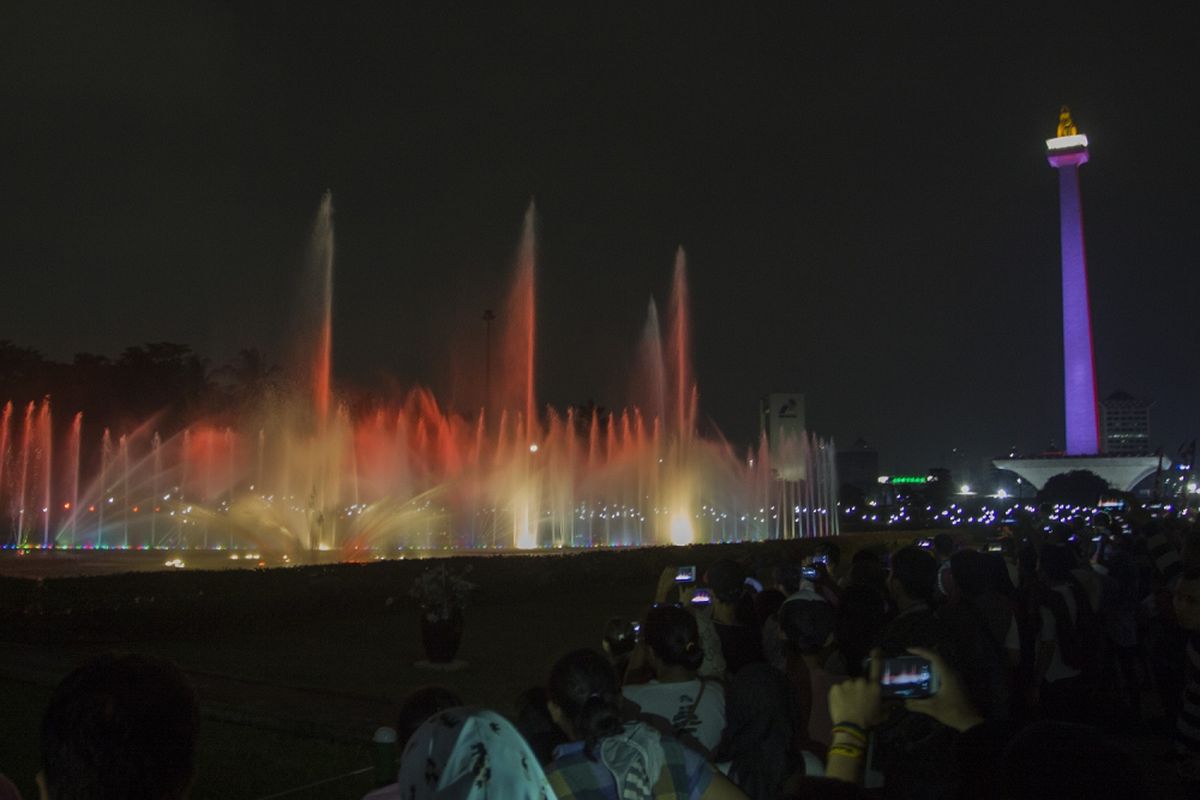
(810, 573)
(685, 575)
(701, 597)
(821, 559)
(907, 677)
(995, 547)
(926, 543)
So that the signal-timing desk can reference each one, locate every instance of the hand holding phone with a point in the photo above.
(949, 705)
(908, 677)
(685, 574)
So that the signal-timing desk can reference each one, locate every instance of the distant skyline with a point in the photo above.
(864, 198)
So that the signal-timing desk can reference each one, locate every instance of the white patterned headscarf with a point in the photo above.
(470, 754)
(635, 758)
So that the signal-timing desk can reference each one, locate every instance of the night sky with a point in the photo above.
(862, 191)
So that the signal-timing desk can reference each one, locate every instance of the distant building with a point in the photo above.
(858, 466)
(781, 415)
(1125, 424)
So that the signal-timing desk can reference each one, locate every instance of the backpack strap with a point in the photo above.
(695, 704)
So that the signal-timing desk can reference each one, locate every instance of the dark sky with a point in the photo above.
(861, 188)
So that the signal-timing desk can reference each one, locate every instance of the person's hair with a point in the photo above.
(534, 722)
(969, 568)
(996, 572)
(766, 603)
(1056, 562)
(620, 634)
(120, 726)
(831, 550)
(420, 705)
(916, 571)
(1059, 759)
(861, 617)
(583, 685)
(727, 579)
(1188, 574)
(789, 576)
(865, 555)
(673, 635)
(943, 544)
(807, 624)
(867, 569)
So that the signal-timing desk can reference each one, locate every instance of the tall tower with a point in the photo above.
(1066, 152)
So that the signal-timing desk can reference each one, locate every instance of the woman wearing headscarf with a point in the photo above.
(608, 759)
(467, 754)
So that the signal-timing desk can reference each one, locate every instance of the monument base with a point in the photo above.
(1121, 472)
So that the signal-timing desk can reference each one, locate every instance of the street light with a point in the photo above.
(488, 317)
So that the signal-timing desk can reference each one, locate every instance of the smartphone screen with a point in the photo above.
(701, 598)
(809, 573)
(907, 677)
(686, 575)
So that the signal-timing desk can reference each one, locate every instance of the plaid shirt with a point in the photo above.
(574, 776)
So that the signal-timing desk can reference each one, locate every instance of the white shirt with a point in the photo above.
(1058, 670)
(672, 704)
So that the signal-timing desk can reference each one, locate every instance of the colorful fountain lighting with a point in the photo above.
(302, 474)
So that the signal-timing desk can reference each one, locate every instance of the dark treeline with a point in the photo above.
(161, 383)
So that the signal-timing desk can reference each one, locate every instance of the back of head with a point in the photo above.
(620, 636)
(943, 545)
(582, 683)
(832, 552)
(470, 754)
(120, 726)
(788, 576)
(970, 571)
(916, 571)
(672, 633)
(1056, 562)
(1058, 759)
(420, 705)
(807, 624)
(535, 723)
(727, 579)
(867, 569)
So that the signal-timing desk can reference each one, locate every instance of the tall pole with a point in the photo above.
(1066, 153)
(488, 317)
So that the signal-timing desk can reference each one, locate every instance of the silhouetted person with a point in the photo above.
(122, 727)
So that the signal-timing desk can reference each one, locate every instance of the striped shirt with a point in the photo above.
(574, 776)
(1187, 724)
(1164, 555)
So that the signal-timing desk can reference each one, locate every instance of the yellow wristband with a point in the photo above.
(853, 732)
(846, 750)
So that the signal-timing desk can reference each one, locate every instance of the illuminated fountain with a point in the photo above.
(300, 474)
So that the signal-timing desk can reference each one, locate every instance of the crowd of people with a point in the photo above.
(768, 681)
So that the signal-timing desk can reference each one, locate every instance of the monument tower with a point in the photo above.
(1066, 152)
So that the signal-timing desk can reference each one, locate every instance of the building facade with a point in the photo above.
(1125, 424)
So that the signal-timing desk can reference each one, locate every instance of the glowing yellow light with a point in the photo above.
(681, 529)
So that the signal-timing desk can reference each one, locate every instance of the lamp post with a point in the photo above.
(488, 317)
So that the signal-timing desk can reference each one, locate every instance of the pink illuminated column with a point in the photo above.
(1066, 153)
